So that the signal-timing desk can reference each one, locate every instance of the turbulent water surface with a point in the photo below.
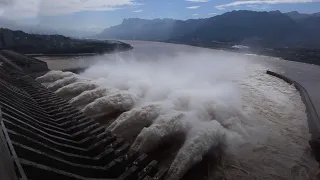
(210, 102)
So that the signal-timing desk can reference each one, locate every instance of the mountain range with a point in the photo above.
(254, 29)
(55, 44)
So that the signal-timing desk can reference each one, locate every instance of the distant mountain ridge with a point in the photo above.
(55, 44)
(135, 28)
(266, 29)
(300, 16)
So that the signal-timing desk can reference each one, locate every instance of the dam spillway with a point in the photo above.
(43, 137)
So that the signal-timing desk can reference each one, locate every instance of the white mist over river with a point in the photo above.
(213, 99)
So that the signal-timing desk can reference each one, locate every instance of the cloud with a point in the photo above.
(248, 2)
(137, 11)
(212, 13)
(193, 7)
(21, 9)
(195, 14)
(198, 1)
(251, 6)
(256, 6)
(220, 8)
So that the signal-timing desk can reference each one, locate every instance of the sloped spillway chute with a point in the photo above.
(44, 137)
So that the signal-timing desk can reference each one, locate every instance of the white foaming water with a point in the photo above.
(75, 89)
(53, 76)
(63, 82)
(89, 96)
(166, 125)
(117, 102)
(200, 140)
(135, 120)
(212, 100)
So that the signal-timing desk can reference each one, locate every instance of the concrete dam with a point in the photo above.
(43, 137)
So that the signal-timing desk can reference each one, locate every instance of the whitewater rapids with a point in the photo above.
(230, 103)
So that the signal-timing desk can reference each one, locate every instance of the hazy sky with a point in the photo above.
(95, 15)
